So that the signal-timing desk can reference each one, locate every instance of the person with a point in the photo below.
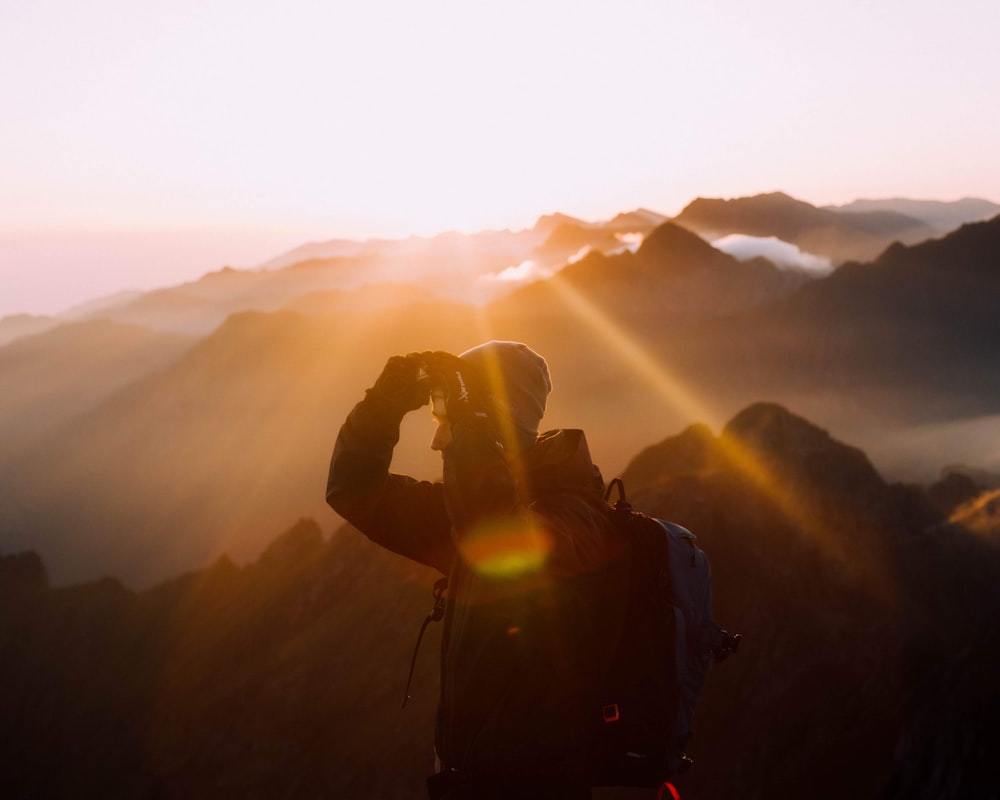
(519, 527)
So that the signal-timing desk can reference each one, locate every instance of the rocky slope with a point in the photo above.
(867, 669)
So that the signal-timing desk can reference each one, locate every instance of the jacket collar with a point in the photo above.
(560, 461)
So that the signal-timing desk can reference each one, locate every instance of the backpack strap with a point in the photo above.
(621, 509)
(435, 614)
(668, 791)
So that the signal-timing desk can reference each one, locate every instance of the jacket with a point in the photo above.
(525, 544)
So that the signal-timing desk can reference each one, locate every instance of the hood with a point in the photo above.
(560, 461)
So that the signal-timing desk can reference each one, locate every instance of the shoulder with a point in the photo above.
(579, 529)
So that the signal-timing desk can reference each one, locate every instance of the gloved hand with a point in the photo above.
(403, 385)
(466, 398)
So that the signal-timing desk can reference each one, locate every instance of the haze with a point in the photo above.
(212, 133)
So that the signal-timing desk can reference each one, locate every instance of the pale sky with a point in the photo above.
(144, 143)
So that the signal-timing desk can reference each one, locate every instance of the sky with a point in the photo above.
(143, 144)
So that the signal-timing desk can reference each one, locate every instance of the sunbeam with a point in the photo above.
(737, 454)
(666, 385)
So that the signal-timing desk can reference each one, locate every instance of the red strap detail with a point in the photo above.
(668, 787)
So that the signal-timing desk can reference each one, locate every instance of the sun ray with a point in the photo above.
(739, 456)
(667, 385)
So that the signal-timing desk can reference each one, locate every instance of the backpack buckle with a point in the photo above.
(610, 713)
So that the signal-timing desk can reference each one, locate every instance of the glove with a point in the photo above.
(403, 386)
(465, 394)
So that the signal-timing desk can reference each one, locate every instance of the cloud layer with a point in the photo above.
(781, 253)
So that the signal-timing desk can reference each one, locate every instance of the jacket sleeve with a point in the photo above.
(400, 513)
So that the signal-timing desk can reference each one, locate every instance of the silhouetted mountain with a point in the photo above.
(94, 306)
(380, 297)
(456, 255)
(51, 376)
(642, 220)
(464, 267)
(943, 215)
(198, 307)
(568, 236)
(17, 325)
(570, 239)
(282, 678)
(840, 237)
(316, 251)
(232, 440)
(977, 475)
(952, 491)
(918, 317)
(451, 266)
(910, 339)
(547, 223)
(869, 624)
(673, 274)
(232, 437)
(852, 596)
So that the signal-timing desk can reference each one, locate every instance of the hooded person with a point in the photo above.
(517, 525)
(517, 384)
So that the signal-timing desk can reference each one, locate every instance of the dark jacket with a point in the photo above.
(524, 546)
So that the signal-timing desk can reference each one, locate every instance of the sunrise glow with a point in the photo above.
(251, 128)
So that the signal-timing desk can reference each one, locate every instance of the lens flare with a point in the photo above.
(506, 549)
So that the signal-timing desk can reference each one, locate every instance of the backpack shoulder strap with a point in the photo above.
(434, 615)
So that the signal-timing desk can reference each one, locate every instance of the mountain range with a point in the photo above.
(842, 235)
(144, 454)
(482, 267)
(159, 641)
(868, 613)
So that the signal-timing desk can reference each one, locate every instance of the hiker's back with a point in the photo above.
(662, 651)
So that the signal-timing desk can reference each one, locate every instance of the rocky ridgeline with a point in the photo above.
(868, 665)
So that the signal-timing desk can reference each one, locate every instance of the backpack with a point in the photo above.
(663, 639)
(664, 648)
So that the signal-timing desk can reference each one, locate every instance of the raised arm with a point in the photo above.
(398, 512)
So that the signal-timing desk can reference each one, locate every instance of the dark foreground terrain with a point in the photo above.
(869, 668)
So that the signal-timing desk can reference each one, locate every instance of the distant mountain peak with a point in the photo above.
(834, 235)
(770, 199)
(639, 220)
(796, 450)
(678, 242)
(944, 215)
(302, 542)
(974, 245)
(764, 440)
(691, 451)
(547, 223)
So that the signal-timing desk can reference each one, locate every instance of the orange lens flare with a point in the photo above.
(508, 549)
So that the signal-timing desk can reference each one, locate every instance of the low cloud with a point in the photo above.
(780, 253)
(497, 284)
(518, 273)
(630, 241)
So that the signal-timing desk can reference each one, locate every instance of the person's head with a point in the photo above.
(517, 384)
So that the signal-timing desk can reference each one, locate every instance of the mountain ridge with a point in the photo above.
(347, 264)
(284, 675)
(940, 214)
(240, 427)
(841, 237)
